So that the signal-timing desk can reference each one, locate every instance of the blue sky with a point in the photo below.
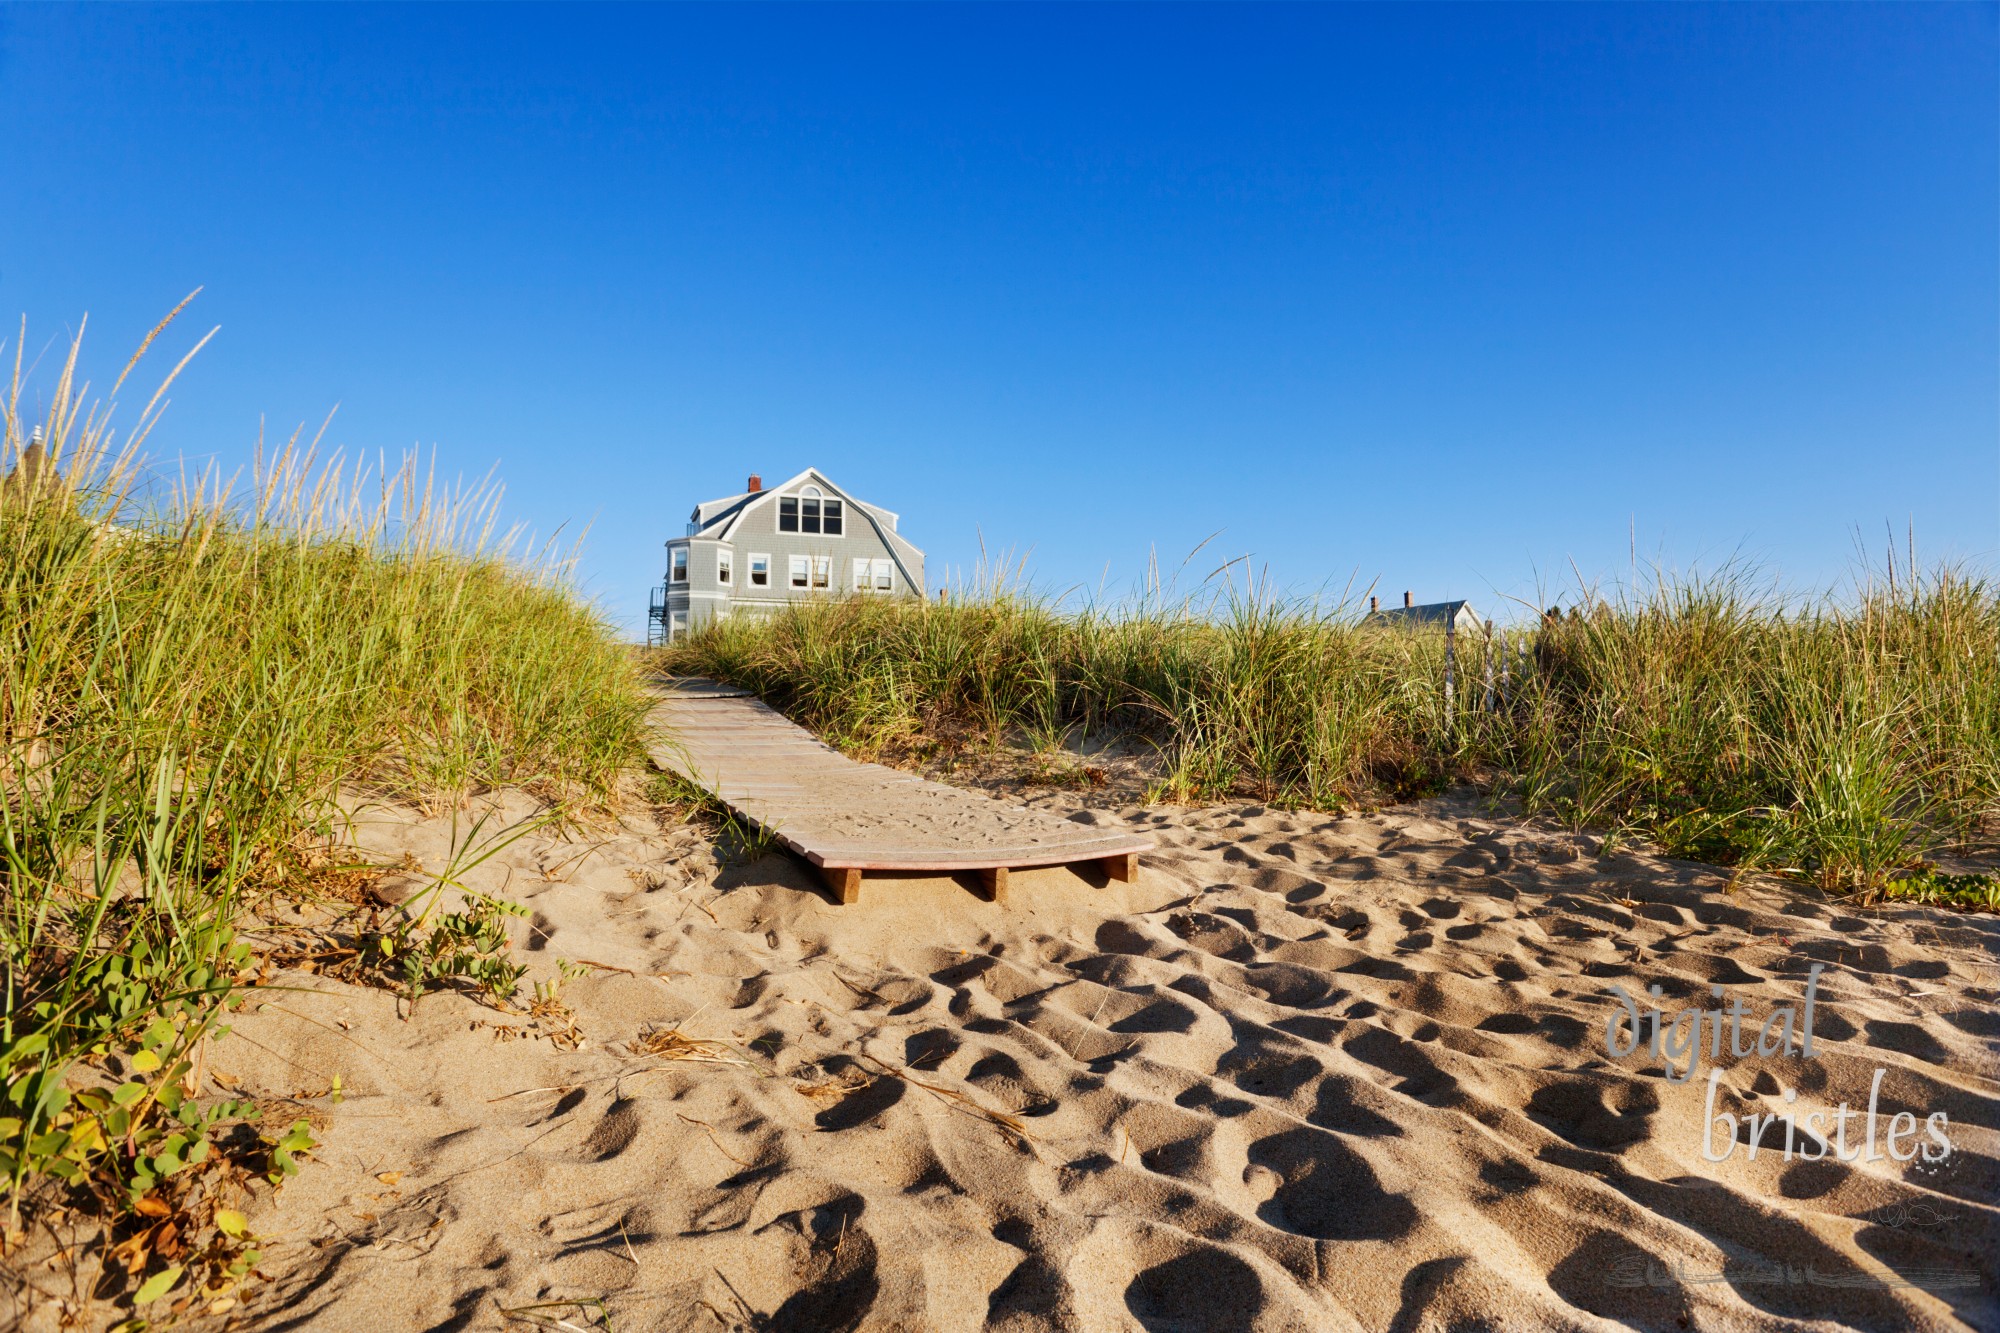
(1449, 297)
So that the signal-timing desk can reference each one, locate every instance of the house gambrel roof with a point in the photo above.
(710, 512)
(719, 519)
(1425, 616)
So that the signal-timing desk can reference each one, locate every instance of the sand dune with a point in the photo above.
(1307, 1074)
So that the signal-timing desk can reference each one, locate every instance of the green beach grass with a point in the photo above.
(1839, 741)
(190, 691)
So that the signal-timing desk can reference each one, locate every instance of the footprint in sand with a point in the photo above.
(1328, 1190)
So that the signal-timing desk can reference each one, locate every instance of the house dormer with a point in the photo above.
(761, 549)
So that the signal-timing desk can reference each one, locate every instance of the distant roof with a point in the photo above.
(1430, 613)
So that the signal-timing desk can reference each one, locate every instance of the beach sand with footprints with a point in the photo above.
(1307, 1073)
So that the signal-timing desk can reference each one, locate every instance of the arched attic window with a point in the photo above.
(811, 510)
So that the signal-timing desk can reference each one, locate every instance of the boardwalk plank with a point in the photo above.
(846, 817)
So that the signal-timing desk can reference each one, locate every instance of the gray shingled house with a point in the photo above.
(761, 549)
(1459, 616)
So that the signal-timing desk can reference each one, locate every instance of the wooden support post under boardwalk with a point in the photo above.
(845, 881)
(995, 880)
(1123, 867)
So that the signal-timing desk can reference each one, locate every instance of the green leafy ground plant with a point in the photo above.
(1971, 893)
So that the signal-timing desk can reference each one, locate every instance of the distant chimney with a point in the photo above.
(1374, 605)
(1406, 598)
(756, 484)
(28, 468)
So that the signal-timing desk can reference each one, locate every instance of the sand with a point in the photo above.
(1307, 1073)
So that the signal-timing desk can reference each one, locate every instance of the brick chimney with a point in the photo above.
(756, 484)
(1406, 598)
(1374, 605)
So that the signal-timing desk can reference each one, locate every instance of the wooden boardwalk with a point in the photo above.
(846, 817)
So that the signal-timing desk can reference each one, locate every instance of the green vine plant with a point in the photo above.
(467, 946)
(142, 1135)
(1931, 887)
(162, 1163)
(550, 992)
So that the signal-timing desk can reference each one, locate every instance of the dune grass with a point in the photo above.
(1843, 741)
(189, 689)
(1260, 698)
(1840, 741)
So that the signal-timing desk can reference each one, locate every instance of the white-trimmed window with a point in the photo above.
(810, 511)
(823, 572)
(677, 565)
(861, 573)
(760, 570)
(885, 575)
(677, 624)
(723, 561)
(801, 571)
